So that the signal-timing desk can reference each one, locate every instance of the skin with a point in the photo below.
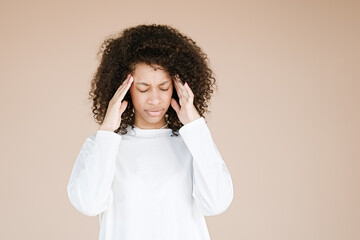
(157, 87)
(186, 112)
(152, 90)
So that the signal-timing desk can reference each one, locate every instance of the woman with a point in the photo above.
(151, 171)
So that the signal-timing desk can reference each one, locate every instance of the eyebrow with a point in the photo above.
(145, 84)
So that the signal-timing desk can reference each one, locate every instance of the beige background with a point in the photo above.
(285, 119)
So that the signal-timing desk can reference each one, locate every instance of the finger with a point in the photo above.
(175, 105)
(119, 96)
(123, 84)
(124, 88)
(183, 90)
(189, 91)
(176, 82)
(180, 87)
(177, 88)
(123, 106)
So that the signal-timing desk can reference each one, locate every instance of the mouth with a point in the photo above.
(154, 113)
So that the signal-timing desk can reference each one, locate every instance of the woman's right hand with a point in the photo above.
(116, 107)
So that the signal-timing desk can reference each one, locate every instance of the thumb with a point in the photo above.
(175, 105)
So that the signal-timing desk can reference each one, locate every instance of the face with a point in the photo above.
(151, 94)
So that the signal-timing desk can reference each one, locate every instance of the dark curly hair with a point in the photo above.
(151, 44)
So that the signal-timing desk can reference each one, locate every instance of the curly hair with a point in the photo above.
(151, 44)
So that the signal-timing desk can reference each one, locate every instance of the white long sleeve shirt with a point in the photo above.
(148, 184)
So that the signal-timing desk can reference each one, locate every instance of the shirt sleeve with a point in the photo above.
(212, 184)
(89, 187)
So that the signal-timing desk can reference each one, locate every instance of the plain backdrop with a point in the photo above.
(285, 119)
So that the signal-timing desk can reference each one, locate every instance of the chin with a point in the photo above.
(151, 118)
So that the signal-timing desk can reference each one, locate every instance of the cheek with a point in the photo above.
(134, 96)
(169, 94)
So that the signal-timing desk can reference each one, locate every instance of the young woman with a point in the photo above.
(151, 171)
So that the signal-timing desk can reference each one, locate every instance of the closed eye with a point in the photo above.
(160, 89)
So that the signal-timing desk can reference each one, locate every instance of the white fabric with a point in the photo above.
(148, 184)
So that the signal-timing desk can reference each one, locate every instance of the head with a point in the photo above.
(153, 54)
(151, 94)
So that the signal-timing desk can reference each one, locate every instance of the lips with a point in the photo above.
(155, 110)
(154, 113)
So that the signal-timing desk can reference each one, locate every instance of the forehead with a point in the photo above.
(147, 75)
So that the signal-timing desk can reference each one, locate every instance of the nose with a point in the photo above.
(154, 97)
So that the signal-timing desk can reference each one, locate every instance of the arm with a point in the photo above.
(212, 184)
(89, 186)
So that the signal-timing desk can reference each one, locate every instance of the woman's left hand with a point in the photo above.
(187, 112)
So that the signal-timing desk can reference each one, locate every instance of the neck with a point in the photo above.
(144, 125)
(163, 127)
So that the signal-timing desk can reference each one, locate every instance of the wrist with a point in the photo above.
(103, 128)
